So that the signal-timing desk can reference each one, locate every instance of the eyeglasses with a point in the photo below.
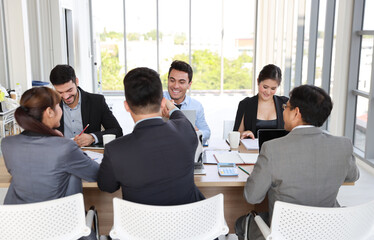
(284, 106)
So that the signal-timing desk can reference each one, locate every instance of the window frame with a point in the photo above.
(353, 92)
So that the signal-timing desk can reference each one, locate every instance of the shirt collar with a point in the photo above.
(186, 100)
(141, 120)
(303, 126)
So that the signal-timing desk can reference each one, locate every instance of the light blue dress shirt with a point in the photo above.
(192, 104)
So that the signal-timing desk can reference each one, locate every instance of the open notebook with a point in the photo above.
(236, 157)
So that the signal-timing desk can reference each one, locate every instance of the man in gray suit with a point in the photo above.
(307, 166)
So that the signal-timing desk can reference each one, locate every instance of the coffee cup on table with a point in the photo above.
(108, 138)
(234, 139)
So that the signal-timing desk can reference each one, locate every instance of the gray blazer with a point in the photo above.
(44, 167)
(306, 167)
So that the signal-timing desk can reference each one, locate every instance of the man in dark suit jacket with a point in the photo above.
(154, 164)
(81, 108)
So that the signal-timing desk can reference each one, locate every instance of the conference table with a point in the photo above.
(209, 184)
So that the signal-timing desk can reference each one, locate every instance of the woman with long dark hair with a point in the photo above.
(264, 110)
(44, 165)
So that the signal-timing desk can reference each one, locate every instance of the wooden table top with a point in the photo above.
(210, 179)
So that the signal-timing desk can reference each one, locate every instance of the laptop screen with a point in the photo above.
(190, 115)
(269, 134)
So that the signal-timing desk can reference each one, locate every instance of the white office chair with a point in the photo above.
(60, 219)
(292, 221)
(228, 126)
(201, 220)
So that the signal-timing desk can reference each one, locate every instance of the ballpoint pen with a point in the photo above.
(243, 170)
(84, 130)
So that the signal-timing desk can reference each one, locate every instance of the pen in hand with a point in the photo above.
(244, 170)
(84, 129)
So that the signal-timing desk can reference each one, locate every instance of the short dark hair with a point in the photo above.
(270, 71)
(181, 66)
(143, 90)
(314, 103)
(62, 74)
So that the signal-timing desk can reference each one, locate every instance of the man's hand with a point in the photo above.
(84, 140)
(169, 105)
(247, 134)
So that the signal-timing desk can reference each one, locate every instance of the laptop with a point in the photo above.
(190, 115)
(269, 134)
(199, 168)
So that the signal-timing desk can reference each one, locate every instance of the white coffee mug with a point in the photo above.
(234, 138)
(108, 137)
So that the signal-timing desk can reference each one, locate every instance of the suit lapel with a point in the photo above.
(254, 118)
(84, 107)
(278, 113)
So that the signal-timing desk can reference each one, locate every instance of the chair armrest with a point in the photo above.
(265, 230)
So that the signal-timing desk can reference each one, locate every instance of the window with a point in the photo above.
(360, 113)
(215, 37)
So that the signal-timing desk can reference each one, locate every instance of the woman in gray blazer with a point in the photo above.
(44, 165)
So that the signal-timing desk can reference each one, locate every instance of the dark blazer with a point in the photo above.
(248, 108)
(154, 164)
(96, 112)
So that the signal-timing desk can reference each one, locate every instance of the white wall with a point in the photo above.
(36, 39)
(15, 13)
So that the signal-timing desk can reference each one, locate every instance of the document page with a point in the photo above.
(97, 157)
(249, 158)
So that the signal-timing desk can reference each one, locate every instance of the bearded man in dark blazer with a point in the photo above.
(81, 108)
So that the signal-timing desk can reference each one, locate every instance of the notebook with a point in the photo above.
(250, 144)
(269, 134)
(236, 157)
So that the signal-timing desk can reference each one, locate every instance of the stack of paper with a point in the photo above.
(250, 144)
(236, 157)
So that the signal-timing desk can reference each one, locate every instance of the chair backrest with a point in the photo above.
(60, 219)
(292, 221)
(200, 220)
(228, 126)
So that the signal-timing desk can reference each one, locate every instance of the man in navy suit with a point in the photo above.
(154, 164)
(81, 108)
